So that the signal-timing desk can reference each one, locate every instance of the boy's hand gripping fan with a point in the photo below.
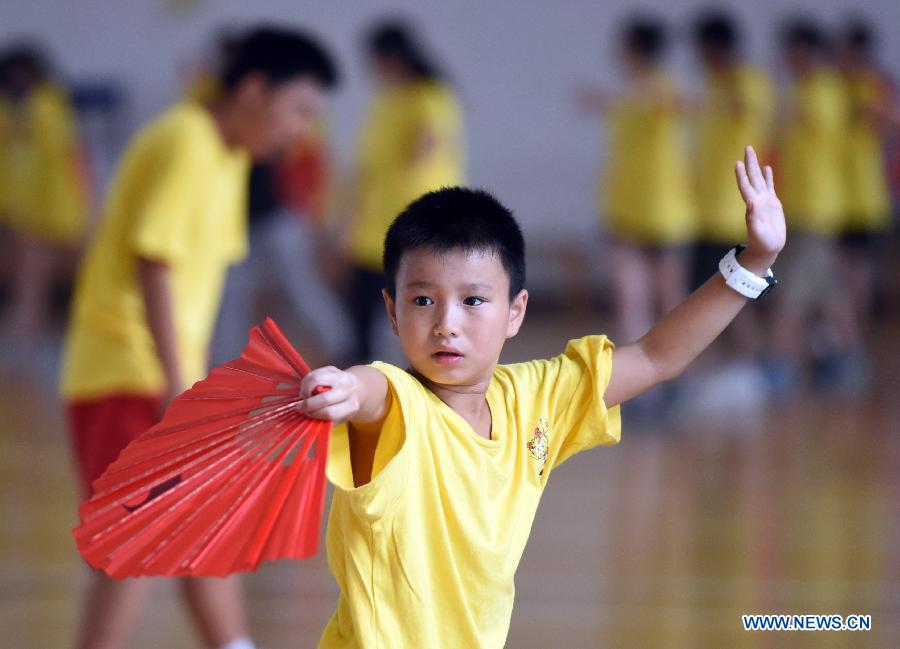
(232, 476)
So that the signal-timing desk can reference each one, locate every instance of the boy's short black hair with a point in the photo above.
(646, 36)
(716, 29)
(280, 55)
(456, 218)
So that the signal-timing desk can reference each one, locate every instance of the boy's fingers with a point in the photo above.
(318, 377)
(753, 170)
(743, 182)
(335, 413)
(319, 401)
(770, 178)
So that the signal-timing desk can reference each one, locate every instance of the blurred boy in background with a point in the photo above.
(288, 197)
(410, 143)
(149, 290)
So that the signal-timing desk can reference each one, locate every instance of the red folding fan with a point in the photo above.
(232, 476)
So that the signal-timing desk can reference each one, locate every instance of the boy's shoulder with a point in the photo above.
(581, 356)
(181, 126)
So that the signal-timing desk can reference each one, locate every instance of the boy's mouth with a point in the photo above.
(447, 357)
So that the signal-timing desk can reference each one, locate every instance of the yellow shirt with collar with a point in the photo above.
(179, 196)
(425, 554)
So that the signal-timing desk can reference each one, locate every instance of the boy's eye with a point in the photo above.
(423, 301)
(473, 301)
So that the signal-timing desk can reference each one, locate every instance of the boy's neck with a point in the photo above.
(222, 115)
(468, 401)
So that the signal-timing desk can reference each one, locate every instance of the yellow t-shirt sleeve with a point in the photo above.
(390, 469)
(162, 212)
(576, 381)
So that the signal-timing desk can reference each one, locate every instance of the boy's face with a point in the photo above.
(274, 117)
(452, 313)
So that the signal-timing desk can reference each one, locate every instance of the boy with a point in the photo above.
(439, 468)
(149, 290)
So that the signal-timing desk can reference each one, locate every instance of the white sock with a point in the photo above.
(239, 643)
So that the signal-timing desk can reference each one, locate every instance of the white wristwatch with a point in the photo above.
(742, 280)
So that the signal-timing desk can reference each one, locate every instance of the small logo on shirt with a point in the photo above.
(539, 445)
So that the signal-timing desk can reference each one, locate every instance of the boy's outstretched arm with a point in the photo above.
(679, 337)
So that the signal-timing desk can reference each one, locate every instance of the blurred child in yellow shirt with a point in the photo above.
(645, 197)
(870, 99)
(736, 109)
(46, 192)
(410, 143)
(148, 292)
(811, 157)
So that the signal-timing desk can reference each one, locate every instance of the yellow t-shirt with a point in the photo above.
(737, 111)
(646, 195)
(426, 553)
(390, 176)
(811, 167)
(46, 190)
(867, 198)
(179, 196)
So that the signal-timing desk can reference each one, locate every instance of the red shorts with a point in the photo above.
(100, 429)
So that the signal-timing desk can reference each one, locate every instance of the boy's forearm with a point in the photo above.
(373, 395)
(154, 279)
(679, 337)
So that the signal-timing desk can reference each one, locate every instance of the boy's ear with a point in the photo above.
(516, 313)
(391, 310)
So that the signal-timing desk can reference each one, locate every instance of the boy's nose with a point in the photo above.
(444, 327)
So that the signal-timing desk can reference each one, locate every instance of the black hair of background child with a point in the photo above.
(646, 36)
(280, 56)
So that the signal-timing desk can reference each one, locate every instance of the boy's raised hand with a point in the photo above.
(765, 216)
